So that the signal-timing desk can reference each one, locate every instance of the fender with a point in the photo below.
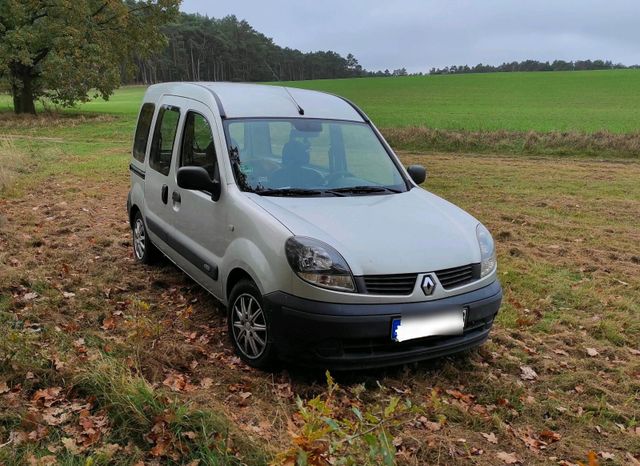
(247, 256)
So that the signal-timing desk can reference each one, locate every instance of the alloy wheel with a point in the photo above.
(249, 326)
(139, 238)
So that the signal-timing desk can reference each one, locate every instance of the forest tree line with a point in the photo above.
(533, 65)
(227, 49)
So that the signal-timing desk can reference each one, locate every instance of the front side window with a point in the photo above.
(317, 156)
(198, 149)
(142, 131)
(164, 136)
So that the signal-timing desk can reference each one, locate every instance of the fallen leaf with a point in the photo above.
(466, 398)
(47, 396)
(550, 436)
(592, 352)
(4, 388)
(606, 455)
(30, 296)
(633, 461)
(177, 382)
(109, 450)
(508, 458)
(491, 437)
(71, 446)
(527, 373)
(206, 383)
(68, 294)
(429, 425)
(109, 323)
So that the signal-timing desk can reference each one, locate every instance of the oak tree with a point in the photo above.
(65, 50)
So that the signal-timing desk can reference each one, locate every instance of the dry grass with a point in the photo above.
(12, 161)
(573, 143)
(24, 122)
(569, 252)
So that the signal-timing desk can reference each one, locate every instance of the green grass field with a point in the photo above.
(559, 101)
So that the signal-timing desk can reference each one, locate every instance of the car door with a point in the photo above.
(199, 233)
(158, 213)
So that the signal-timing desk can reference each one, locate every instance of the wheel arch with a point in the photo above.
(236, 275)
(132, 214)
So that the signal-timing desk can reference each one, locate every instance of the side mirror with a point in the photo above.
(417, 173)
(198, 179)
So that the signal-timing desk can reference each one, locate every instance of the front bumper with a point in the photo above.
(350, 336)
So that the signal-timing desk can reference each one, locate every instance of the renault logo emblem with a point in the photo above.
(428, 285)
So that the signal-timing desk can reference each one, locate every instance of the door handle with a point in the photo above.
(164, 194)
(175, 197)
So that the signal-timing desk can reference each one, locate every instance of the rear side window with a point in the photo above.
(164, 137)
(142, 131)
(198, 149)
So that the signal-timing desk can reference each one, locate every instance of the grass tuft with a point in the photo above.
(567, 143)
(139, 412)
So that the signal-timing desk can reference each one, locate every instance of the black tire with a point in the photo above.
(249, 326)
(144, 250)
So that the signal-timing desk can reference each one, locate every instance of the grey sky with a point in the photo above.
(419, 34)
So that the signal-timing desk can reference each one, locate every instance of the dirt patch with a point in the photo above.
(560, 376)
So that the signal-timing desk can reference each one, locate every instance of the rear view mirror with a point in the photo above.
(417, 173)
(198, 179)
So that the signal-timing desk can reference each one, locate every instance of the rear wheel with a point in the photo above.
(143, 249)
(249, 326)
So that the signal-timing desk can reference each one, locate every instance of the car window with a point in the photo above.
(164, 136)
(309, 154)
(142, 131)
(198, 149)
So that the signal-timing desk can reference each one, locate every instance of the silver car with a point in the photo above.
(290, 208)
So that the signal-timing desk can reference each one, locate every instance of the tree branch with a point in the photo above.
(99, 10)
(132, 10)
(40, 55)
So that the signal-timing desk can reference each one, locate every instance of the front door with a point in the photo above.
(199, 230)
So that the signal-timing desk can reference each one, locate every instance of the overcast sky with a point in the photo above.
(420, 34)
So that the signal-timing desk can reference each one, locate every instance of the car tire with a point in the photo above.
(249, 326)
(144, 250)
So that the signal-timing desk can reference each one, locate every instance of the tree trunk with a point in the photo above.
(22, 90)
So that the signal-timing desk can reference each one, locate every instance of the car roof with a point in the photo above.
(244, 100)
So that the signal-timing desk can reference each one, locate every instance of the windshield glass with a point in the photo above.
(304, 156)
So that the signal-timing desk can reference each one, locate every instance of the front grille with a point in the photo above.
(402, 284)
(458, 276)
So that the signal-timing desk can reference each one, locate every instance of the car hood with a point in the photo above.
(414, 231)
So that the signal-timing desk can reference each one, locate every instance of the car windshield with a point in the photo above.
(299, 156)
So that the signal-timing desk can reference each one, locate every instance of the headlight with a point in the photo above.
(318, 263)
(487, 250)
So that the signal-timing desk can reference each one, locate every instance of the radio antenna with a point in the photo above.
(300, 109)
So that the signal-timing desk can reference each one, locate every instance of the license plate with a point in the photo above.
(440, 323)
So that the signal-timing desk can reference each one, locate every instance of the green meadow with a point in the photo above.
(583, 101)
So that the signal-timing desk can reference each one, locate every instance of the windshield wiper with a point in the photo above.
(364, 190)
(289, 192)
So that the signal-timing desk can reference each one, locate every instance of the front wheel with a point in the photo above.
(249, 326)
